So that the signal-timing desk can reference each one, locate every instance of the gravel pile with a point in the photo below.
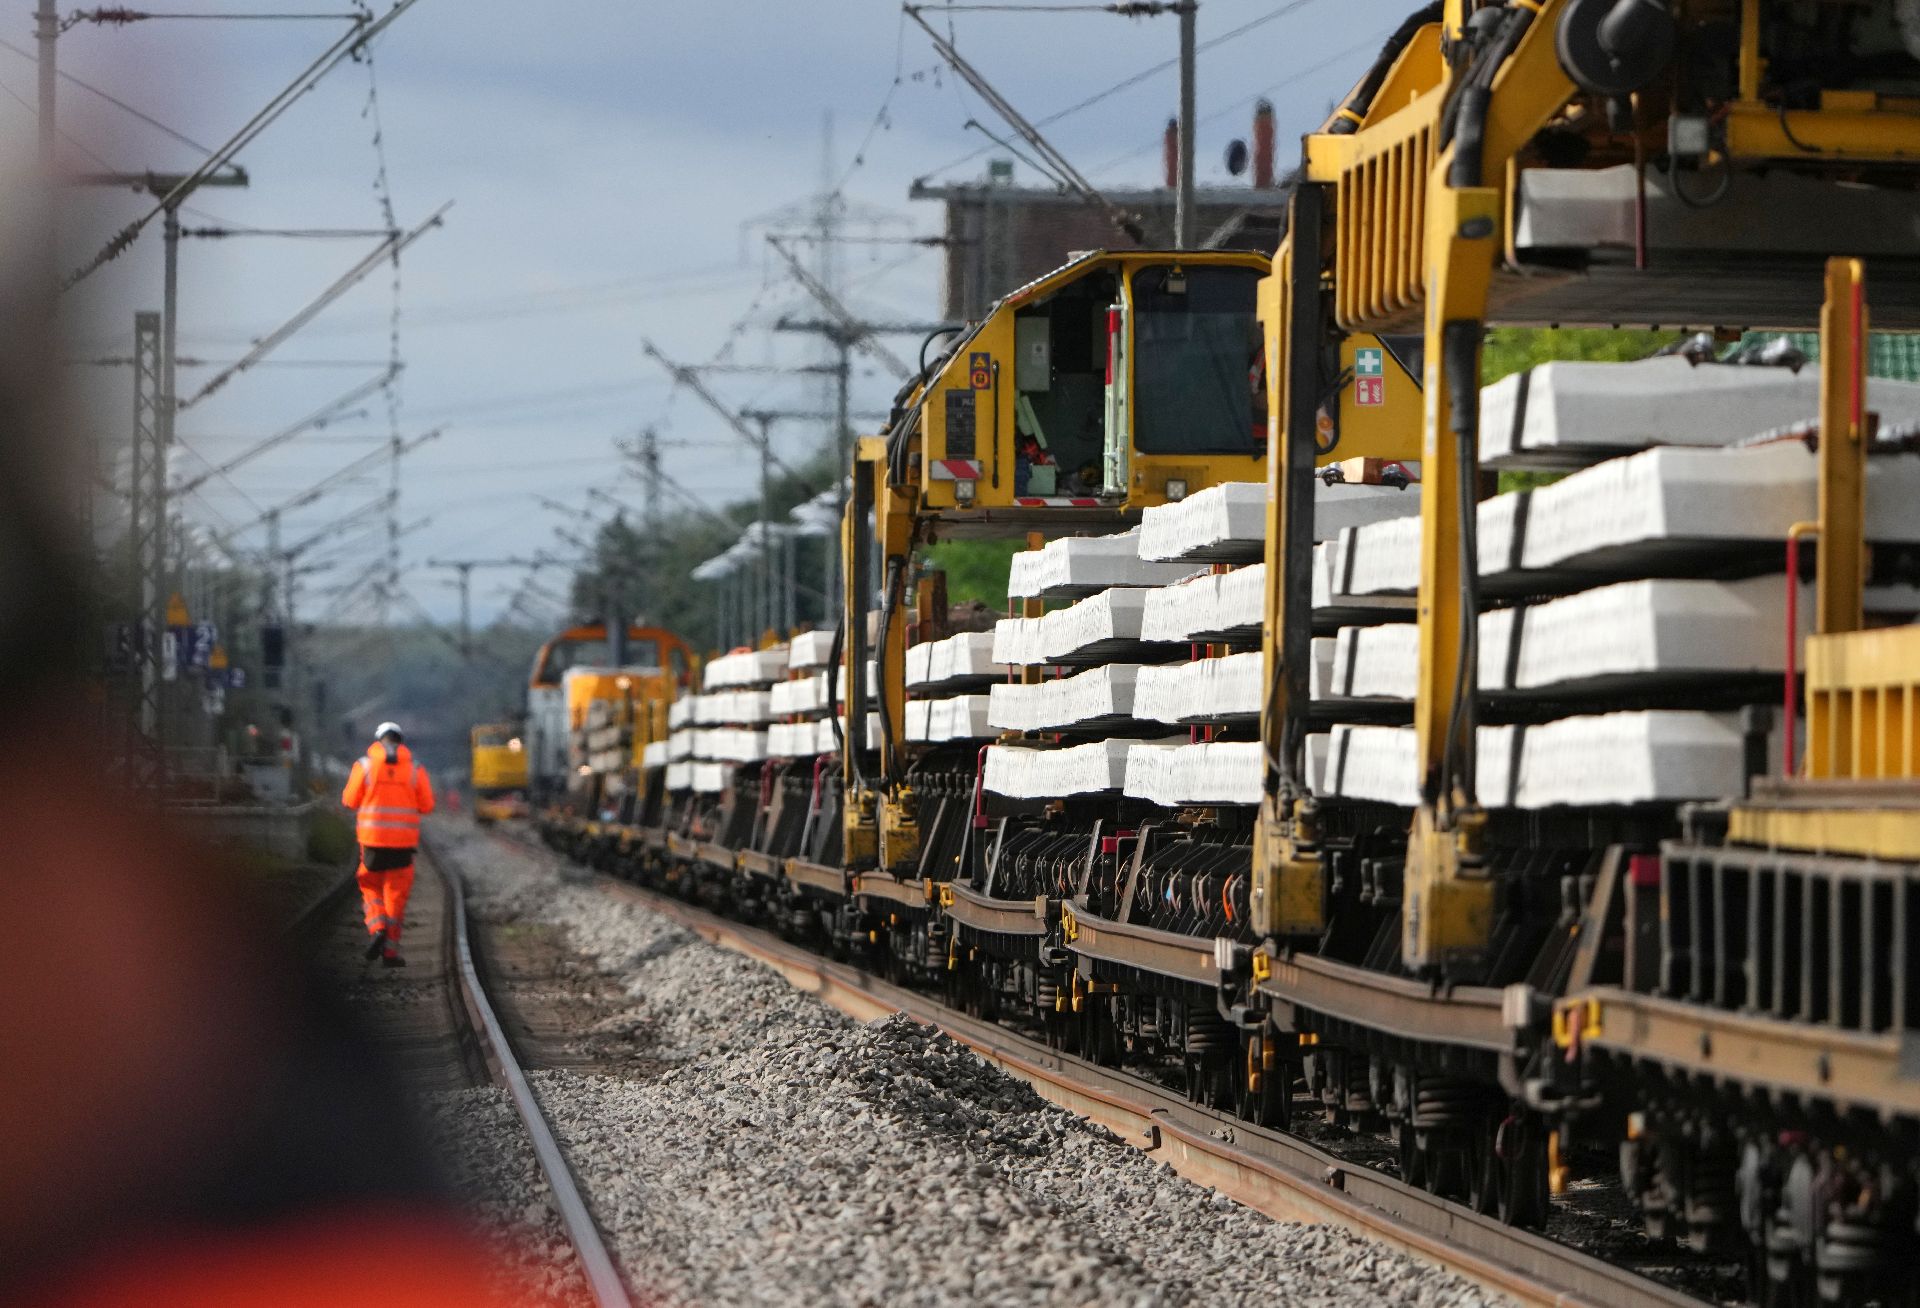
(783, 1153)
(487, 1159)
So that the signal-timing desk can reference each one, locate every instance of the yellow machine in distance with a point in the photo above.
(1119, 381)
(498, 772)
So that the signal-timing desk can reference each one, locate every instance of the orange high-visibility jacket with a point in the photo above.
(390, 797)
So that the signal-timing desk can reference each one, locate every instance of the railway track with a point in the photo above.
(1278, 1174)
(445, 1029)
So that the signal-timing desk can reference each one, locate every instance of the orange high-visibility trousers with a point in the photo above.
(383, 899)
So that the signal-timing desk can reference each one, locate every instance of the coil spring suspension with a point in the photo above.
(1443, 1103)
(1209, 1034)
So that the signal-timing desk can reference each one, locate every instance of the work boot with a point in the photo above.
(392, 958)
(375, 945)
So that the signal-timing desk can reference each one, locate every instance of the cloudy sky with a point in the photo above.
(613, 166)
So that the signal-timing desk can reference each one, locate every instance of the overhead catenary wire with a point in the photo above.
(1129, 82)
(318, 418)
(694, 502)
(68, 137)
(120, 16)
(352, 40)
(140, 114)
(975, 125)
(192, 361)
(327, 483)
(1369, 43)
(293, 233)
(1030, 133)
(858, 333)
(1135, 9)
(690, 378)
(273, 340)
(690, 283)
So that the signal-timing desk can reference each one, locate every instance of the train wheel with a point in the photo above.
(1520, 1145)
(1099, 1036)
(1413, 1160)
(1262, 1094)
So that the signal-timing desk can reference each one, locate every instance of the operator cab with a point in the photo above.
(1117, 382)
(659, 658)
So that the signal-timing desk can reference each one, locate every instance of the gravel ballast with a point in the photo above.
(489, 1162)
(775, 1151)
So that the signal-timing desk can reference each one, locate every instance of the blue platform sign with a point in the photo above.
(196, 647)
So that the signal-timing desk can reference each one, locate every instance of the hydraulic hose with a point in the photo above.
(1461, 355)
(1350, 115)
(949, 330)
(889, 601)
(1463, 118)
(840, 728)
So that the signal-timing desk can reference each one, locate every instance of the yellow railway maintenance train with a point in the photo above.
(498, 772)
(1510, 827)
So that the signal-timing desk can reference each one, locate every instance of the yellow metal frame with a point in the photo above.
(1863, 705)
(1850, 827)
(1862, 686)
(497, 767)
(1409, 244)
(1841, 566)
(994, 421)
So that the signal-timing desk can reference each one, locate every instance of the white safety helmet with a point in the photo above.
(386, 729)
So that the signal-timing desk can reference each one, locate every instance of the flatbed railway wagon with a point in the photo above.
(1519, 829)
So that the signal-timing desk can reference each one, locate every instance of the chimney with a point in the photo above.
(1170, 149)
(1262, 145)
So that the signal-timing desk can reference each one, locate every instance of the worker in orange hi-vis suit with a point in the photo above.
(390, 793)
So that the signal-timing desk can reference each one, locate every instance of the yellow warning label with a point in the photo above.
(218, 659)
(177, 615)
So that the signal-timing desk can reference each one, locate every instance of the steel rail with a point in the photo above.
(1276, 1173)
(596, 1263)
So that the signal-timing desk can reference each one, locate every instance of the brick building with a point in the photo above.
(1001, 236)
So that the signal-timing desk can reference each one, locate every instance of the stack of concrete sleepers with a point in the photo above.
(809, 650)
(797, 704)
(1207, 605)
(1218, 618)
(804, 720)
(1025, 772)
(1100, 633)
(681, 736)
(1635, 604)
(755, 667)
(1213, 690)
(1215, 608)
(1572, 413)
(1630, 757)
(1227, 523)
(1098, 698)
(728, 722)
(1667, 511)
(1664, 633)
(1203, 772)
(1100, 628)
(1076, 566)
(949, 680)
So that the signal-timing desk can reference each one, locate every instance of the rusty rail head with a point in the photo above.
(596, 1262)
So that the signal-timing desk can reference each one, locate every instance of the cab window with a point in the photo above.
(1195, 355)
